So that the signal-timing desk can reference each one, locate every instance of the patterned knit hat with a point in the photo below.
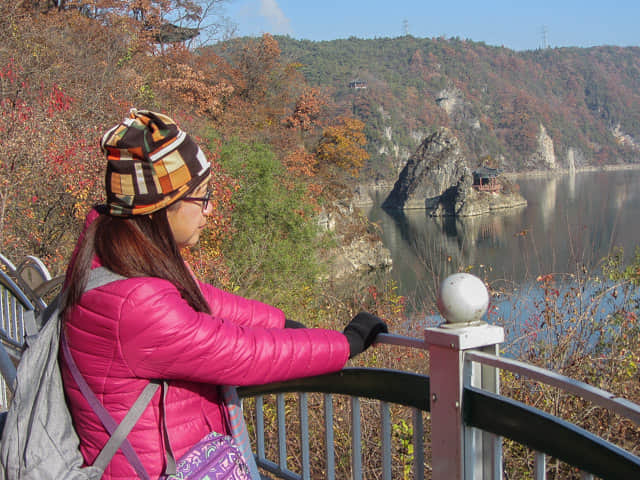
(151, 163)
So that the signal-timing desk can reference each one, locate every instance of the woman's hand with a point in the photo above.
(292, 324)
(362, 331)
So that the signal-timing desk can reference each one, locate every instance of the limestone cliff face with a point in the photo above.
(437, 178)
(574, 159)
(624, 139)
(459, 110)
(451, 100)
(435, 167)
(545, 154)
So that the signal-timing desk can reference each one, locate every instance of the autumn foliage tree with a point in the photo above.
(301, 134)
(271, 103)
(307, 109)
(193, 80)
(265, 89)
(341, 147)
(48, 172)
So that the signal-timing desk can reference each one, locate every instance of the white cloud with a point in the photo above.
(277, 20)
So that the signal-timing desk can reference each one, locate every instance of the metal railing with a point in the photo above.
(386, 386)
(547, 434)
(468, 446)
(22, 289)
(14, 306)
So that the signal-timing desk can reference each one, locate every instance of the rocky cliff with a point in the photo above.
(434, 168)
(359, 248)
(438, 178)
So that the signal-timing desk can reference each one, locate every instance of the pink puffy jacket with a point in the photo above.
(129, 331)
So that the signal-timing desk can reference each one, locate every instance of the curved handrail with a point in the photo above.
(31, 266)
(393, 386)
(12, 289)
(10, 347)
(545, 433)
(401, 340)
(7, 263)
(33, 280)
(598, 396)
(15, 290)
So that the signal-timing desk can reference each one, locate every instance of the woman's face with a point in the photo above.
(187, 218)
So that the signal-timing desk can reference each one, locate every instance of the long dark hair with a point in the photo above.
(137, 246)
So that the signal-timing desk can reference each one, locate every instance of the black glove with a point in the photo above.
(362, 331)
(292, 324)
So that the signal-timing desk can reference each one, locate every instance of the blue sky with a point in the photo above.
(516, 24)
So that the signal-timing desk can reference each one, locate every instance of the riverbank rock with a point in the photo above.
(359, 247)
(437, 178)
(471, 202)
(369, 194)
(360, 256)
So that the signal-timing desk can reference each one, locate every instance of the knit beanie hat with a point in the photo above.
(151, 163)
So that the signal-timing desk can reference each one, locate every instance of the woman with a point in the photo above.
(160, 322)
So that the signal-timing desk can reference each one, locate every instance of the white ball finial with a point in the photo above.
(463, 299)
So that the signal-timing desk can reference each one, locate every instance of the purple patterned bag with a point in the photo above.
(215, 457)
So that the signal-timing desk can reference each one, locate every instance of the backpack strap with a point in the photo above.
(120, 432)
(126, 425)
(169, 456)
(98, 277)
(234, 418)
(101, 276)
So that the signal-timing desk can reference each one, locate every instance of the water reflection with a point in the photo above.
(570, 222)
(548, 202)
(571, 180)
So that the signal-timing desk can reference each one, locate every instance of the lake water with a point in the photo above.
(571, 221)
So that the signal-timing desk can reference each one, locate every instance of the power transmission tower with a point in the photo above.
(405, 27)
(543, 32)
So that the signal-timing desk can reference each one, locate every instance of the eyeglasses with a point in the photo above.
(204, 200)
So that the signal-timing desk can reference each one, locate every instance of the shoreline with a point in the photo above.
(365, 199)
(567, 171)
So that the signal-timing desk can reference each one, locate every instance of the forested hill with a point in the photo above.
(548, 108)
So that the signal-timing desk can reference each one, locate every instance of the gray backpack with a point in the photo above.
(38, 440)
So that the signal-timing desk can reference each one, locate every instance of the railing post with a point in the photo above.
(463, 300)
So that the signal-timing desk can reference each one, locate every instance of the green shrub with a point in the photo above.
(271, 253)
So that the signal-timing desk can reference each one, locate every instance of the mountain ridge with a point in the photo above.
(543, 109)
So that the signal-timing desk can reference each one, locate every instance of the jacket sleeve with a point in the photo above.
(161, 336)
(241, 310)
